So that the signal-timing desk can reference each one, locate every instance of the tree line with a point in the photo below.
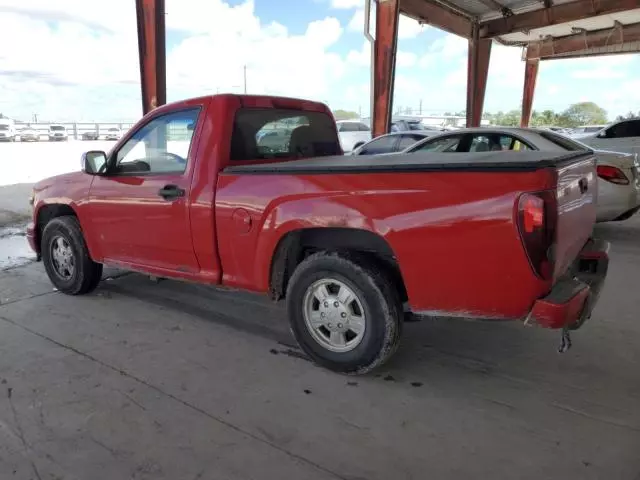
(583, 113)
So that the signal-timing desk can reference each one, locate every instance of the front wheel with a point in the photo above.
(344, 314)
(66, 257)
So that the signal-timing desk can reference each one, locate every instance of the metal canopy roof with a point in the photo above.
(551, 28)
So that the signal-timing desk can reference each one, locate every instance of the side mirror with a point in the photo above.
(93, 162)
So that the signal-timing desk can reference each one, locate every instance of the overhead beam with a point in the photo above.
(384, 64)
(562, 13)
(551, 47)
(152, 53)
(432, 13)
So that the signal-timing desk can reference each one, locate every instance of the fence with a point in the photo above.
(74, 129)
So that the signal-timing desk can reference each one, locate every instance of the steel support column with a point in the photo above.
(478, 56)
(530, 77)
(152, 53)
(384, 64)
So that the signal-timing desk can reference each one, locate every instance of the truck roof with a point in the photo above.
(254, 101)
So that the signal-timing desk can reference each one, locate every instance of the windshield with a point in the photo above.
(56, 128)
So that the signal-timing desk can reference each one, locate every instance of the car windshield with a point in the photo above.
(56, 127)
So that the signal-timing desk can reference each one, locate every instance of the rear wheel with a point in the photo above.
(66, 257)
(345, 315)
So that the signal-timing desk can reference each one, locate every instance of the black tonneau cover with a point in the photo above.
(414, 162)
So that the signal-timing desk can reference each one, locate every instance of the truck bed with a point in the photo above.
(414, 162)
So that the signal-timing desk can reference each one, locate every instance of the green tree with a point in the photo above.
(584, 113)
(344, 115)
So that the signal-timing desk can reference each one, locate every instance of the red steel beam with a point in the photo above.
(479, 54)
(562, 13)
(550, 48)
(152, 53)
(435, 14)
(530, 77)
(384, 64)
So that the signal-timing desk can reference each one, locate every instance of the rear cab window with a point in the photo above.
(268, 133)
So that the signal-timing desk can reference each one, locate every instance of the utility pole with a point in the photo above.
(420, 106)
(245, 79)
(359, 111)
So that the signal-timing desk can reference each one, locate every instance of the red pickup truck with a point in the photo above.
(253, 192)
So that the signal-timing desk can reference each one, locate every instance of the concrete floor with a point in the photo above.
(182, 382)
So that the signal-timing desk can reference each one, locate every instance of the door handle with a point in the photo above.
(170, 192)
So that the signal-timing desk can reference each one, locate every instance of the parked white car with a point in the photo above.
(113, 133)
(58, 133)
(618, 173)
(352, 134)
(623, 136)
(7, 130)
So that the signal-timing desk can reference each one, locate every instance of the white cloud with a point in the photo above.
(89, 57)
(347, 4)
(407, 27)
(362, 57)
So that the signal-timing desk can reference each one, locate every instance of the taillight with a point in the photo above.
(612, 174)
(537, 214)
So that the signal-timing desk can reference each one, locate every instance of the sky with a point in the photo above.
(77, 60)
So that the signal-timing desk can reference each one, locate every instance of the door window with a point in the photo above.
(159, 147)
(407, 140)
(352, 127)
(496, 143)
(630, 128)
(443, 144)
(384, 144)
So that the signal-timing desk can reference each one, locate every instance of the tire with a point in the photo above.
(84, 275)
(380, 308)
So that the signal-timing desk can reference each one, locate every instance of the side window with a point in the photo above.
(159, 147)
(445, 144)
(363, 128)
(630, 128)
(380, 145)
(406, 141)
(349, 127)
(496, 143)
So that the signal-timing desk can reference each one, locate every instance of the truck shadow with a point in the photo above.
(480, 347)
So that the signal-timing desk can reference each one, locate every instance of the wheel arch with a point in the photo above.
(48, 212)
(364, 245)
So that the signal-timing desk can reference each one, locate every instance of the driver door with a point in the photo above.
(140, 206)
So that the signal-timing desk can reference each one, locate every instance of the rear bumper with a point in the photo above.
(571, 301)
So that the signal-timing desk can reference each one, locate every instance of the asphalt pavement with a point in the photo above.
(169, 380)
